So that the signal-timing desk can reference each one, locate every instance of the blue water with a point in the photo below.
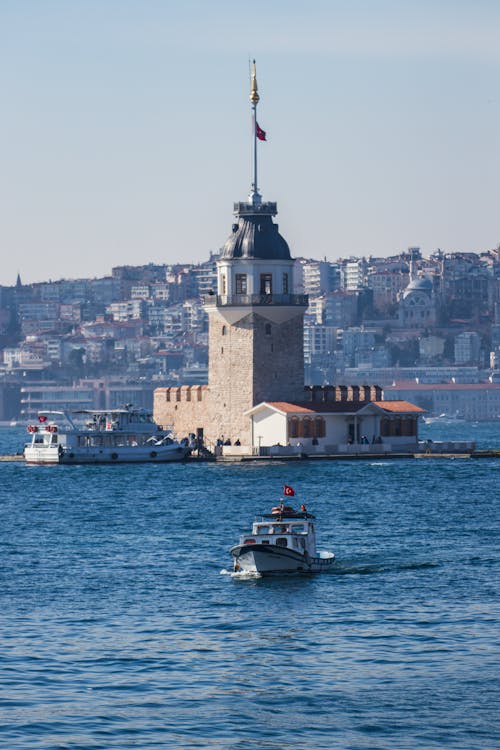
(119, 630)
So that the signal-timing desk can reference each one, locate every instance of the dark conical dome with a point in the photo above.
(255, 235)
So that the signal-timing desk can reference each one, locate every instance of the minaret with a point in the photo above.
(255, 320)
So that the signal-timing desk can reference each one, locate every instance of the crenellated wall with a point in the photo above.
(338, 393)
(185, 409)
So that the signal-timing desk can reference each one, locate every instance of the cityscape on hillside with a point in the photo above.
(423, 328)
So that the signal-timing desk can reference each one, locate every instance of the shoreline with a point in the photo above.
(484, 453)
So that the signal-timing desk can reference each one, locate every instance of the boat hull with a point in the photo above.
(126, 454)
(266, 559)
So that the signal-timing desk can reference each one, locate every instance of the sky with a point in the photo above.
(126, 128)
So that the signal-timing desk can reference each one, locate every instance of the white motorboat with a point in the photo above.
(444, 419)
(283, 541)
(124, 435)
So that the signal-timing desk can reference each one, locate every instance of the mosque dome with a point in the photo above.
(422, 285)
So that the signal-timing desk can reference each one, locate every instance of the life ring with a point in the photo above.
(114, 456)
(153, 454)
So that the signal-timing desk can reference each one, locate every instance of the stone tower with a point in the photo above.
(256, 322)
(256, 327)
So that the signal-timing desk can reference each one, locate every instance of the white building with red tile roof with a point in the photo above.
(334, 427)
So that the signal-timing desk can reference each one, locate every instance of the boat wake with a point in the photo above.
(240, 575)
(345, 569)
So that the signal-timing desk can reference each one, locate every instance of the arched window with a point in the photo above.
(224, 330)
(307, 425)
(293, 427)
(319, 427)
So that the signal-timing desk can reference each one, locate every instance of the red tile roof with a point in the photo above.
(343, 407)
(287, 407)
(399, 406)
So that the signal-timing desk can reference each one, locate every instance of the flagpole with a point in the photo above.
(254, 99)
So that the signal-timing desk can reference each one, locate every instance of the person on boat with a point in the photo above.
(303, 508)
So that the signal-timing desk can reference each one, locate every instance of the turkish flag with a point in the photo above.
(288, 491)
(261, 134)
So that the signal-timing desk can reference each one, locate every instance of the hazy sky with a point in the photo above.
(126, 128)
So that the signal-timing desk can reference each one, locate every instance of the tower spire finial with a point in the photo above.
(254, 91)
(254, 196)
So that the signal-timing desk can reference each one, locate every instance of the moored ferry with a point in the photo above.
(123, 435)
(283, 541)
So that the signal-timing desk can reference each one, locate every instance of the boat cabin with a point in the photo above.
(293, 530)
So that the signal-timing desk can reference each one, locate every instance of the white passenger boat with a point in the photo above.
(125, 435)
(283, 541)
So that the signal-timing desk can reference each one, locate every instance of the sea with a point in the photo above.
(122, 626)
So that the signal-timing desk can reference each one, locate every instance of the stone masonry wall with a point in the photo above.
(250, 361)
(278, 360)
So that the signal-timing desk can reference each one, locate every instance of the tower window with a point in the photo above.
(223, 289)
(267, 329)
(241, 283)
(285, 283)
(224, 330)
(266, 283)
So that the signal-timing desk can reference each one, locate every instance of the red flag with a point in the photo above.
(261, 134)
(288, 491)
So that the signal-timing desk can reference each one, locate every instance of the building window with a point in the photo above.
(266, 283)
(241, 283)
(268, 329)
(224, 330)
(285, 283)
(223, 284)
(293, 427)
(319, 424)
(306, 427)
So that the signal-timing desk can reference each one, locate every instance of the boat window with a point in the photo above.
(263, 530)
(281, 542)
(54, 439)
(298, 528)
